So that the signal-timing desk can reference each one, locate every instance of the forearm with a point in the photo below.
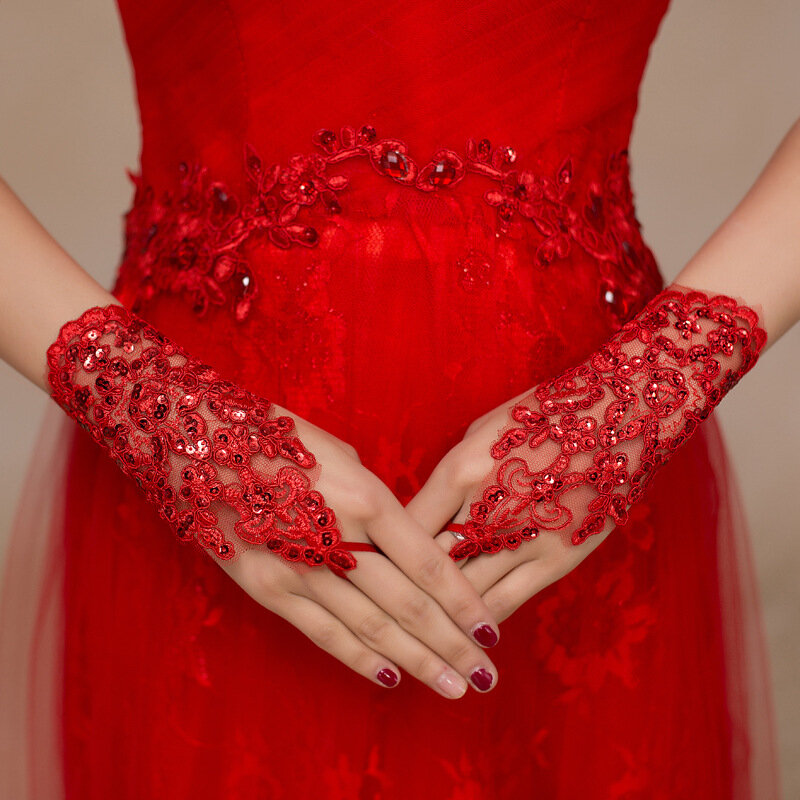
(755, 253)
(42, 287)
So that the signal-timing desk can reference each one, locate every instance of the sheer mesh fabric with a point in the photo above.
(218, 462)
(582, 447)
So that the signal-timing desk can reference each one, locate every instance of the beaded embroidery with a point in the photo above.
(190, 243)
(202, 448)
(611, 423)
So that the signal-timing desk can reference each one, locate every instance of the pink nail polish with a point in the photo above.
(484, 635)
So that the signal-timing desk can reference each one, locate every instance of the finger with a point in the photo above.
(448, 540)
(379, 629)
(334, 637)
(435, 504)
(484, 570)
(420, 615)
(421, 559)
(518, 586)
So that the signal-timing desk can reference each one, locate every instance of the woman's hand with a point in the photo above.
(277, 501)
(507, 578)
(412, 609)
(573, 454)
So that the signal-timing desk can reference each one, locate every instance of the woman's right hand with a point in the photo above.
(250, 482)
(413, 609)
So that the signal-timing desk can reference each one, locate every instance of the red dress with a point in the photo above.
(389, 218)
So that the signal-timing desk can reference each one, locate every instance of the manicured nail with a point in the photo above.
(452, 684)
(388, 677)
(485, 635)
(482, 679)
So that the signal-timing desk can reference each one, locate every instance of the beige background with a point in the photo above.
(720, 91)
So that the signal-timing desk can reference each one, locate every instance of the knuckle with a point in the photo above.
(469, 471)
(431, 569)
(461, 606)
(471, 462)
(449, 466)
(503, 602)
(363, 661)
(325, 636)
(416, 610)
(461, 468)
(373, 628)
(352, 452)
(461, 652)
(364, 500)
(427, 667)
(503, 605)
(266, 588)
(474, 426)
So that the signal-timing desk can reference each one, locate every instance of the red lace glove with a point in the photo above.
(212, 457)
(582, 447)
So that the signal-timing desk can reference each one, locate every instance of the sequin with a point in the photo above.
(200, 447)
(645, 391)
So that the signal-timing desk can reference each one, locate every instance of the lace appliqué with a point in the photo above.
(206, 452)
(583, 447)
(190, 243)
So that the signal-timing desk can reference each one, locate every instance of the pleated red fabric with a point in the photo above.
(390, 218)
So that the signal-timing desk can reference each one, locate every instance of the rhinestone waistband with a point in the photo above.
(190, 242)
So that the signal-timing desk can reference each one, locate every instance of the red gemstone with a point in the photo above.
(327, 139)
(394, 163)
(505, 211)
(443, 173)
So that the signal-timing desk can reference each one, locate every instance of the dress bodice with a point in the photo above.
(215, 73)
(389, 185)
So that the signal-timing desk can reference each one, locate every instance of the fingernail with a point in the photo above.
(388, 677)
(485, 635)
(452, 684)
(482, 679)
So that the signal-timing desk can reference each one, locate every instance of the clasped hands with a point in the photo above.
(534, 486)
(411, 605)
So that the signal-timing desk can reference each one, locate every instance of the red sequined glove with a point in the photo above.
(581, 448)
(214, 458)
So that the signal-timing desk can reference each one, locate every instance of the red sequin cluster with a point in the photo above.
(202, 448)
(189, 243)
(595, 435)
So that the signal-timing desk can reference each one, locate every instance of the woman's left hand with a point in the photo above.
(506, 578)
(539, 482)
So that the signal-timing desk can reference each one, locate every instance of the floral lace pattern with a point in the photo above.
(189, 243)
(204, 450)
(595, 436)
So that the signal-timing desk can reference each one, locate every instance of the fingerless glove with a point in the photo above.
(581, 448)
(219, 465)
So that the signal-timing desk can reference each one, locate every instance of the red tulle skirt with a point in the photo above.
(142, 671)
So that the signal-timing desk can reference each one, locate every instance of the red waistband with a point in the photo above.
(189, 241)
